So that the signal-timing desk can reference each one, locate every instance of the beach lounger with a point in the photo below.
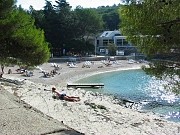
(42, 71)
(28, 73)
(87, 64)
(20, 70)
(52, 64)
(72, 65)
(47, 75)
(131, 61)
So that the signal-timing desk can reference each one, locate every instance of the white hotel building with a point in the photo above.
(115, 37)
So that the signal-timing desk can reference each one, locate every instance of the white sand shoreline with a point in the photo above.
(87, 116)
(74, 79)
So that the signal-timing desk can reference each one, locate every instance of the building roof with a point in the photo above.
(110, 33)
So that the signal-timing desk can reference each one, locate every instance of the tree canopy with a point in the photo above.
(154, 27)
(67, 29)
(73, 30)
(20, 39)
(89, 21)
(110, 17)
(112, 49)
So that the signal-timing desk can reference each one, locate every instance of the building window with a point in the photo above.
(117, 34)
(105, 42)
(119, 42)
(125, 43)
(111, 41)
(97, 42)
(102, 50)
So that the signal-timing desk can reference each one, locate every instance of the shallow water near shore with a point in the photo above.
(135, 85)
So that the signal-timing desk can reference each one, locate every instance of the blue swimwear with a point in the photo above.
(62, 96)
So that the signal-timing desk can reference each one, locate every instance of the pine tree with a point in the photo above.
(20, 40)
(154, 27)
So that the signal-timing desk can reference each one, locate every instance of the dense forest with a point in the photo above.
(72, 31)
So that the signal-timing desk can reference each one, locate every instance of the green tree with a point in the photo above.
(27, 42)
(112, 49)
(111, 21)
(154, 26)
(38, 15)
(6, 27)
(65, 21)
(89, 22)
(110, 17)
(67, 29)
(20, 40)
(6, 24)
(57, 23)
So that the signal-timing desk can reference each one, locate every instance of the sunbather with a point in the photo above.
(63, 96)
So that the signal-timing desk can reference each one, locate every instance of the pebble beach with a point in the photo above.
(95, 113)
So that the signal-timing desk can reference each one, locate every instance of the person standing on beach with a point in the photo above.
(63, 96)
(1, 74)
(2, 68)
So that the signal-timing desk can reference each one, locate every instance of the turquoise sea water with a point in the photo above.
(137, 86)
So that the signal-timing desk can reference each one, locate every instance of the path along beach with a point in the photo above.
(95, 114)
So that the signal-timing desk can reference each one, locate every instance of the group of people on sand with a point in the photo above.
(62, 95)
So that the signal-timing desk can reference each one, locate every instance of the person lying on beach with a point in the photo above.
(63, 96)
